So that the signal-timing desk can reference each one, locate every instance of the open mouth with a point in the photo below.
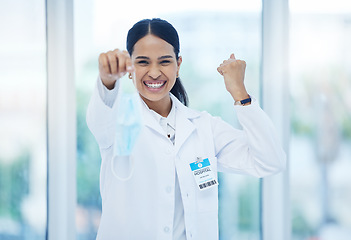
(154, 84)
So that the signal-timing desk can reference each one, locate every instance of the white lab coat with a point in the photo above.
(142, 207)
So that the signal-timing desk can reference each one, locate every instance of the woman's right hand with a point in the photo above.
(113, 65)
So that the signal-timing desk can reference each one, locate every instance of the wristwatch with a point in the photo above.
(243, 102)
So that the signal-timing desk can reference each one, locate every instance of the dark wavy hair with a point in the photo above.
(164, 30)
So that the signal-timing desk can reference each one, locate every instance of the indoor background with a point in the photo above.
(49, 161)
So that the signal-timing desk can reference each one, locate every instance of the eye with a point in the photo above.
(165, 62)
(143, 63)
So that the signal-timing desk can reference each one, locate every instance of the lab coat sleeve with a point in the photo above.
(101, 114)
(254, 150)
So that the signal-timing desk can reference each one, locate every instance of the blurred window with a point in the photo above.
(320, 152)
(209, 32)
(23, 157)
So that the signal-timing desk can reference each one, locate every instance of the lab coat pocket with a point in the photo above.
(207, 200)
(122, 167)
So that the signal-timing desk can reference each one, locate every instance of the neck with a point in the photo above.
(162, 107)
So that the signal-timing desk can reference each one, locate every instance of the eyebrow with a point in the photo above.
(162, 57)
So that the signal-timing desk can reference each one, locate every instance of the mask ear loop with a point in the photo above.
(131, 160)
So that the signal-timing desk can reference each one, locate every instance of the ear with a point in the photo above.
(179, 62)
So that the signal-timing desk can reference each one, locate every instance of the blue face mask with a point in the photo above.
(129, 120)
(128, 126)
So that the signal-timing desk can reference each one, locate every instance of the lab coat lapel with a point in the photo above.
(150, 121)
(184, 125)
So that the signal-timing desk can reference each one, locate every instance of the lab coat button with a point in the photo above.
(168, 189)
(166, 229)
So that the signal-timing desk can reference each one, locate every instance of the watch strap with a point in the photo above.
(243, 102)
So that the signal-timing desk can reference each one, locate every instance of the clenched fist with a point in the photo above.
(113, 65)
(233, 71)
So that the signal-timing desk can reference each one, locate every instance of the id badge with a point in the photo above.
(203, 174)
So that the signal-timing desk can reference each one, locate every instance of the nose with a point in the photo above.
(154, 72)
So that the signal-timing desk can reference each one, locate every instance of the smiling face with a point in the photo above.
(156, 68)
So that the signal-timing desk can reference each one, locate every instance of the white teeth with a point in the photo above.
(154, 85)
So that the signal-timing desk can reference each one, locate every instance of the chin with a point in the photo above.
(154, 97)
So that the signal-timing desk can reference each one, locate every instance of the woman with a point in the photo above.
(172, 192)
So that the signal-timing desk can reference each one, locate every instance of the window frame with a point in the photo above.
(61, 120)
(275, 193)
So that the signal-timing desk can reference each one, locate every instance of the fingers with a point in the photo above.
(115, 63)
(124, 63)
(112, 62)
(220, 70)
(104, 65)
(230, 59)
(129, 65)
(231, 63)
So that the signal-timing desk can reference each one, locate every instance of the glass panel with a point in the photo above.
(23, 161)
(209, 33)
(320, 151)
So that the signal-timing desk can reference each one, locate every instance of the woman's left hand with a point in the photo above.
(233, 71)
